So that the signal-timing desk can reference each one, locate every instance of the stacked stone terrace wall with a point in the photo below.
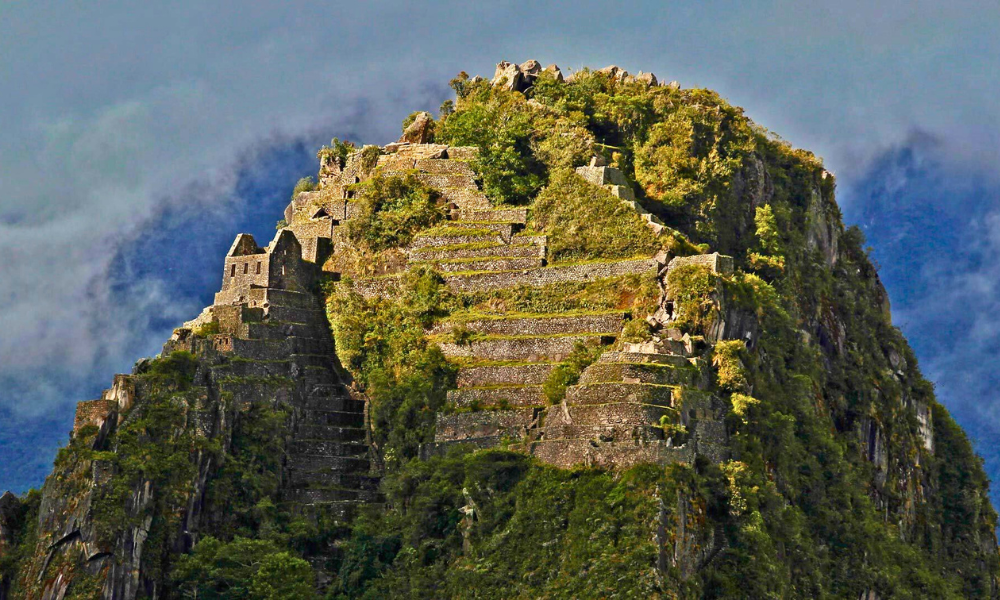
(519, 348)
(549, 275)
(716, 262)
(481, 282)
(93, 412)
(549, 325)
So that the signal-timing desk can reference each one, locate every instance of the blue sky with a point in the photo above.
(137, 140)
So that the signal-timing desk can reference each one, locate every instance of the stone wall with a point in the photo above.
(717, 263)
(527, 348)
(539, 325)
(497, 397)
(93, 412)
(549, 275)
(483, 424)
(608, 455)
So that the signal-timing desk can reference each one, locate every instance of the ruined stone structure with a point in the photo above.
(267, 323)
(613, 417)
(638, 403)
(265, 339)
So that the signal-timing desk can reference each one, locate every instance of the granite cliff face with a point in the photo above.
(580, 336)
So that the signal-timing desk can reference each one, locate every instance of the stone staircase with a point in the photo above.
(288, 355)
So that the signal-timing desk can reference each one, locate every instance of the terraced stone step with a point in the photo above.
(609, 323)
(543, 276)
(489, 263)
(617, 455)
(616, 419)
(486, 375)
(325, 495)
(302, 478)
(442, 181)
(308, 431)
(443, 166)
(498, 396)
(496, 249)
(466, 426)
(506, 230)
(638, 357)
(499, 215)
(278, 297)
(664, 374)
(327, 512)
(253, 368)
(533, 349)
(465, 198)
(333, 418)
(536, 239)
(338, 403)
(455, 237)
(635, 393)
(343, 464)
(287, 314)
(275, 330)
(605, 432)
(257, 389)
(280, 348)
(328, 448)
(313, 375)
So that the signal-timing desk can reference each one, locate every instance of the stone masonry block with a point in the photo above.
(638, 373)
(635, 393)
(548, 275)
(517, 349)
(609, 323)
(485, 423)
(503, 397)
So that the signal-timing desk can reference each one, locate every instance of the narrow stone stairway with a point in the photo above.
(287, 354)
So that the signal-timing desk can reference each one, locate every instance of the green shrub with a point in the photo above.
(502, 129)
(206, 329)
(306, 184)
(336, 152)
(695, 292)
(585, 221)
(727, 358)
(390, 210)
(243, 569)
(382, 342)
(568, 372)
(369, 158)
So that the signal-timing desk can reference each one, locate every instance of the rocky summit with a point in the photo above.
(583, 335)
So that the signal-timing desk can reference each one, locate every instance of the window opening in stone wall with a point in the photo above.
(246, 268)
(232, 271)
(258, 268)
